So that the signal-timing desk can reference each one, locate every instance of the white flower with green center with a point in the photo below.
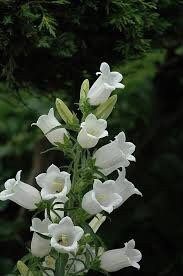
(102, 197)
(65, 235)
(104, 85)
(48, 122)
(124, 187)
(114, 155)
(21, 193)
(54, 183)
(92, 129)
(40, 246)
(116, 259)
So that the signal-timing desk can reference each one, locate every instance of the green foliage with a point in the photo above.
(59, 33)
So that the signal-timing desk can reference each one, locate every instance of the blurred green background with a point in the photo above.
(47, 49)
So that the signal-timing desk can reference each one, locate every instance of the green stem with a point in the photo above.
(76, 166)
(60, 264)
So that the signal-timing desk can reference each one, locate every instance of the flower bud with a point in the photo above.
(104, 110)
(64, 112)
(23, 269)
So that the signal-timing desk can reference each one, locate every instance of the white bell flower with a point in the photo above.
(102, 197)
(116, 259)
(54, 183)
(114, 155)
(92, 129)
(21, 193)
(65, 235)
(104, 85)
(40, 247)
(48, 122)
(124, 187)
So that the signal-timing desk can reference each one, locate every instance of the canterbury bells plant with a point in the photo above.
(70, 205)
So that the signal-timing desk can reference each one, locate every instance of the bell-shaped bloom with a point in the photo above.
(114, 155)
(65, 235)
(104, 85)
(116, 259)
(48, 122)
(92, 129)
(40, 247)
(124, 187)
(21, 193)
(102, 197)
(54, 183)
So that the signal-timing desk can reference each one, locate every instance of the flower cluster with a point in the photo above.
(72, 204)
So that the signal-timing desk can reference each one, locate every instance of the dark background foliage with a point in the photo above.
(47, 48)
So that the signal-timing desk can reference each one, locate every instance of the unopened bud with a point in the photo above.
(104, 110)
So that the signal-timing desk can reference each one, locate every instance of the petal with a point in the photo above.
(53, 229)
(78, 232)
(86, 140)
(40, 179)
(53, 169)
(90, 204)
(115, 77)
(9, 184)
(104, 68)
(18, 175)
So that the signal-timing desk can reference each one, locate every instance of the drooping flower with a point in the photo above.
(21, 193)
(102, 197)
(54, 183)
(92, 129)
(114, 155)
(124, 187)
(116, 259)
(104, 85)
(65, 235)
(48, 122)
(40, 246)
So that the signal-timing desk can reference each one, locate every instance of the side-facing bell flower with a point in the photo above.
(40, 246)
(124, 187)
(114, 155)
(48, 122)
(65, 235)
(102, 197)
(21, 193)
(54, 183)
(92, 129)
(116, 259)
(104, 85)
